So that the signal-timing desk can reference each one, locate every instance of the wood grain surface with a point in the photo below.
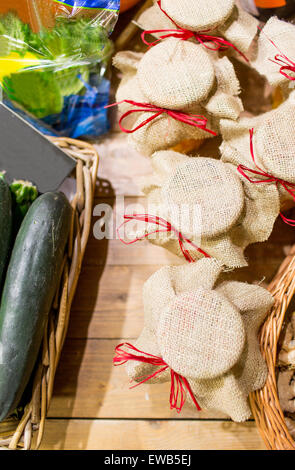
(73, 434)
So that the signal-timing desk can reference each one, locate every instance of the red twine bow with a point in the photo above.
(281, 60)
(195, 120)
(285, 64)
(166, 227)
(179, 384)
(219, 44)
(266, 178)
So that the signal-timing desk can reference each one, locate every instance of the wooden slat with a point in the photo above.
(150, 435)
(115, 253)
(108, 303)
(89, 386)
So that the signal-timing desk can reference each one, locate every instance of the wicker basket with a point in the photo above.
(265, 403)
(15, 433)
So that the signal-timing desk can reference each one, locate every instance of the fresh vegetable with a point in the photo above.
(13, 34)
(23, 194)
(5, 224)
(29, 289)
(77, 38)
(28, 89)
(68, 38)
(38, 70)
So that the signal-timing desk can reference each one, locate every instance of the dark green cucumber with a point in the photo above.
(5, 224)
(28, 293)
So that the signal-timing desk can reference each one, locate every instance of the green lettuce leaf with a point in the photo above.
(67, 53)
(38, 92)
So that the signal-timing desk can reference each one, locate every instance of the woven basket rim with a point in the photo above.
(265, 403)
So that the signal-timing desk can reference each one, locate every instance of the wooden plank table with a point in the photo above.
(93, 407)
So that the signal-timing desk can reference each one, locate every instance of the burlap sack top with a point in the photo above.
(210, 204)
(200, 15)
(220, 17)
(228, 393)
(282, 34)
(211, 186)
(160, 133)
(274, 142)
(205, 329)
(177, 75)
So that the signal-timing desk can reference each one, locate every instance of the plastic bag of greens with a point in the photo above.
(53, 61)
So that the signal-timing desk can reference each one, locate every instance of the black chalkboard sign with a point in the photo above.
(26, 154)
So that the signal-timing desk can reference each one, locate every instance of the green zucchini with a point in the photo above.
(28, 293)
(5, 224)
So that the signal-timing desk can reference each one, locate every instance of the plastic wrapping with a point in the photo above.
(53, 62)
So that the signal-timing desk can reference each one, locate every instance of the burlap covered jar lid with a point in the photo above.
(165, 132)
(205, 329)
(185, 96)
(200, 334)
(176, 74)
(198, 15)
(273, 141)
(276, 39)
(211, 204)
(213, 17)
(228, 393)
(208, 185)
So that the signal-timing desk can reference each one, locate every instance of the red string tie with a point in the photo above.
(165, 227)
(195, 120)
(218, 43)
(266, 178)
(179, 384)
(285, 64)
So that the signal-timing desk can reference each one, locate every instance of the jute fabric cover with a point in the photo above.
(282, 35)
(274, 141)
(211, 204)
(178, 76)
(205, 329)
(216, 17)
